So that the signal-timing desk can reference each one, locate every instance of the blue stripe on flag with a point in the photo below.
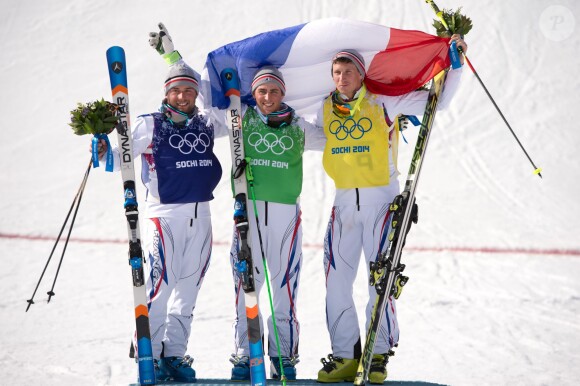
(247, 56)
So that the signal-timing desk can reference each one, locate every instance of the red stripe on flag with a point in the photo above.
(410, 60)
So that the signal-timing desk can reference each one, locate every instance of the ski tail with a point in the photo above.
(386, 271)
(245, 266)
(119, 89)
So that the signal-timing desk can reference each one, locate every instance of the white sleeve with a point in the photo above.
(142, 135)
(450, 88)
(314, 138)
(413, 103)
(318, 120)
(217, 118)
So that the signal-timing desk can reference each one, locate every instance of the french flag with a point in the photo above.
(397, 61)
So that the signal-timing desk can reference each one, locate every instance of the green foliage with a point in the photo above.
(457, 23)
(98, 117)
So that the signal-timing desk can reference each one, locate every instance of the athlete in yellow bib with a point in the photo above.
(360, 156)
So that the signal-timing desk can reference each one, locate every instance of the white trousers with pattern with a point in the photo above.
(351, 230)
(281, 231)
(178, 252)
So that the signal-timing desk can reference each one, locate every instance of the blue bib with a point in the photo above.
(186, 166)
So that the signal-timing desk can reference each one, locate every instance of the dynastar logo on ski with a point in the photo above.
(237, 137)
(122, 128)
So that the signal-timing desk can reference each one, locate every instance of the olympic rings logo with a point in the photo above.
(350, 128)
(270, 142)
(190, 142)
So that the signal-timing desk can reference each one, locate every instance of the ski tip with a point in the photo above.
(115, 53)
(538, 171)
(115, 49)
(230, 80)
(117, 69)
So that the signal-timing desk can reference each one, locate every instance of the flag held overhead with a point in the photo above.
(398, 61)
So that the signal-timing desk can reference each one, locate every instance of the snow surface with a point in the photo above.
(494, 295)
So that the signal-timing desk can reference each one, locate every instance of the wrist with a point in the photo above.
(172, 57)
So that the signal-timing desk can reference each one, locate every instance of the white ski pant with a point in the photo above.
(281, 231)
(353, 229)
(178, 253)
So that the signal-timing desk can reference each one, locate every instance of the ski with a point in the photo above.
(118, 77)
(245, 263)
(386, 273)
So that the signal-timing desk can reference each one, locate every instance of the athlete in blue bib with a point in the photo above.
(180, 172)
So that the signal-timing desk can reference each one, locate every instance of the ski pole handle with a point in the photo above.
(454, 55)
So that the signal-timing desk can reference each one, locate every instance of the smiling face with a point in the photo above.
(268, 98)
(346, 77)
(182, 98)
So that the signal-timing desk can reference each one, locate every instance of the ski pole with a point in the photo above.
(72, 223)
(76, 202)
(439, 14)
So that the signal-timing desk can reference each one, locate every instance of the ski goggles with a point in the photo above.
(279, 118)
(340, 107)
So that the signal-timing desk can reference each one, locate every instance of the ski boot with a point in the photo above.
(178, 368)
(337, 369)
(241, 370)
(378, 370)
(289, 365)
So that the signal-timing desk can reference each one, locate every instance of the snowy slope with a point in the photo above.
(468, 316)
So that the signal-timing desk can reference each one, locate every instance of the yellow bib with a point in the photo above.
(357, 147)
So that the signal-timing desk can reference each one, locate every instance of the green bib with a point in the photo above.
(276, 158)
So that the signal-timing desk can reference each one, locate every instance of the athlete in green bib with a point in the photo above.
(274, 140)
